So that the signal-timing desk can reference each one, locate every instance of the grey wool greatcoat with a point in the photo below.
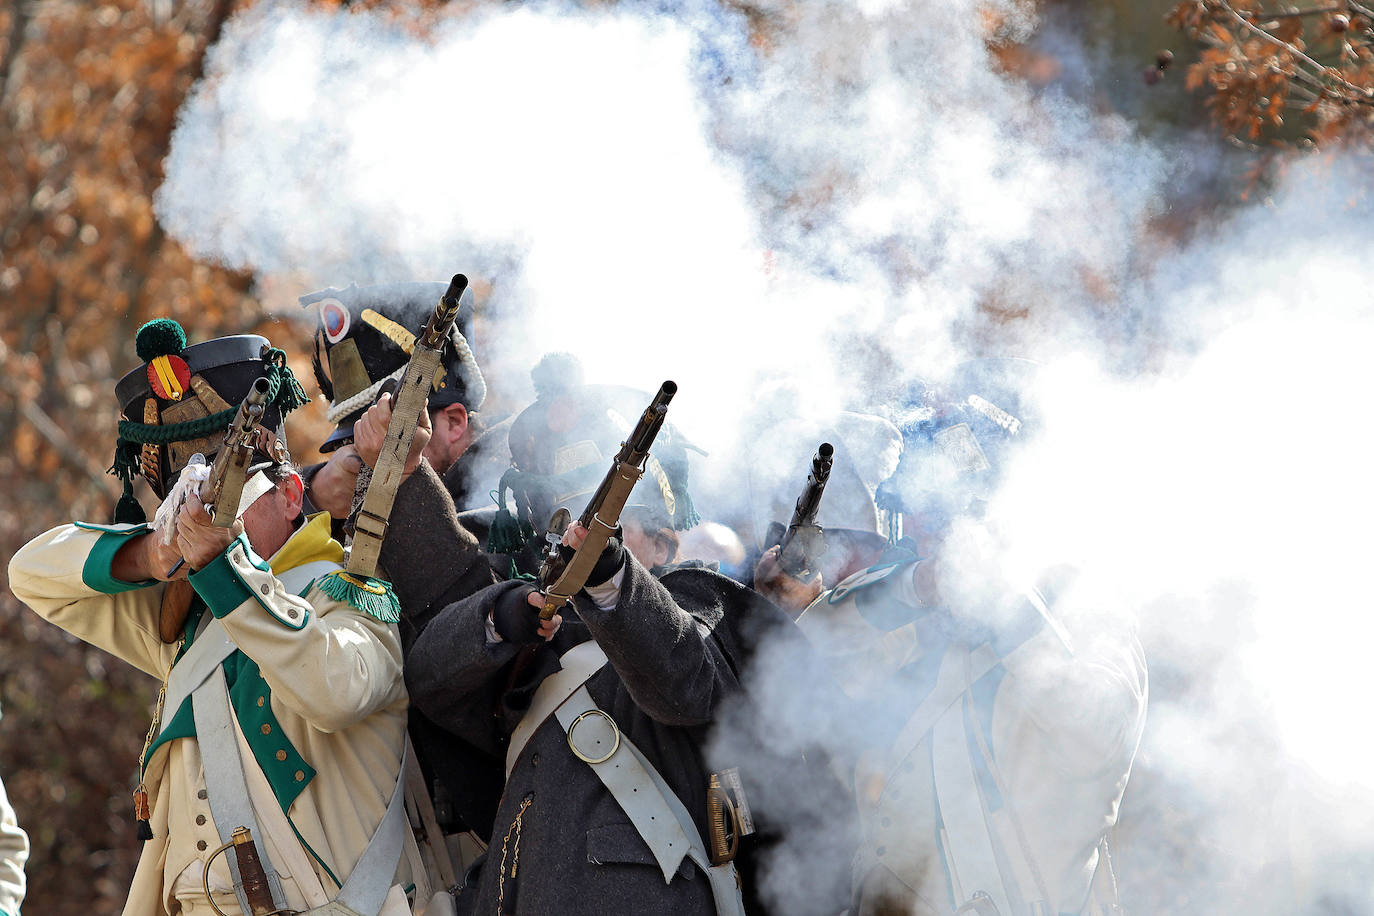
(432, 560)
(560, 843)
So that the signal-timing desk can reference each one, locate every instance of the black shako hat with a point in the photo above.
(182, 400)
(965, 430)
(561, 447)
(364, 336)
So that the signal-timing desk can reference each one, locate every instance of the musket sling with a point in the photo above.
(651, 805)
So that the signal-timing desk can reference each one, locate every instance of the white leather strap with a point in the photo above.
(211, 647)
(659, 816)
(579, 663)
(625, 773)
(229, 801)
(970, 859)
(212, 644)
(371, 879)
(949, 687)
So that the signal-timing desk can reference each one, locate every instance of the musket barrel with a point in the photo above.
(604, 507)
(456, 288)
(436, 329)
(652, 421)
(805, 512)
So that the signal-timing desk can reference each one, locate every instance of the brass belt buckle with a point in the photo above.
(586, 757)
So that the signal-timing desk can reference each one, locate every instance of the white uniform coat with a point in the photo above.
(317, 691)
(1002, 758)
(14, 852)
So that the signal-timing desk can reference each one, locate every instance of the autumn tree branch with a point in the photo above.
(1358, 94)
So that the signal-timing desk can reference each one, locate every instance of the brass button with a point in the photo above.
(202, 795)
(534, 759)
(266, 729)
(281, 755)
(262, 700)
(200, 820)
(200, 844)
(300, 776)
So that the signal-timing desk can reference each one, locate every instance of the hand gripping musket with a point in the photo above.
(802, 544)
(221, 493)
(560, 582)
(371, 521)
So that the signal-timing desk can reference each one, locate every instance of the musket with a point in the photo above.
(803, 543)
(222, 490)
(369, 525)
(559, 581)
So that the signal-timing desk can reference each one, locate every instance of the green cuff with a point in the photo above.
(219, 584)
(96, 572)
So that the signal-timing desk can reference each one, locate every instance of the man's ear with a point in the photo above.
(457, 415)
(665, 544)
(293, 491)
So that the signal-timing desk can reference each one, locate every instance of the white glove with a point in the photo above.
(192, 476)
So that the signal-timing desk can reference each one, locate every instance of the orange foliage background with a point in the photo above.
(90, 94)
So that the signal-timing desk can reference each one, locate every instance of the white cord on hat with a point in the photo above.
(475, 384)
(363, 398)
(475, 381)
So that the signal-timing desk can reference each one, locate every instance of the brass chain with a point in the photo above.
(153, 727)
(515, 860)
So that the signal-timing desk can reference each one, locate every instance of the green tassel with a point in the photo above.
(687, 516)
(128, 511)
(125, 466)
(284, 390)
(507, 534)
(374, 597)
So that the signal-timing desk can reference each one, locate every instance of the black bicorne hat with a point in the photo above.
(365, 335)
(182, 400)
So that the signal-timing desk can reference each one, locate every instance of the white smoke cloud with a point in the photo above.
(1224, 502)
(840, 210)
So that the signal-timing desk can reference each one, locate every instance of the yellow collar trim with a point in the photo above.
(311, 543)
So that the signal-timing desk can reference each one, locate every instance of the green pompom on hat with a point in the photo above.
(159, 337)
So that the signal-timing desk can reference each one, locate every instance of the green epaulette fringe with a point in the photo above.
(373, 597)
